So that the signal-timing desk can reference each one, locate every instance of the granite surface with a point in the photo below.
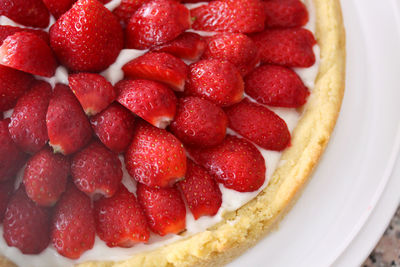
(387, 252)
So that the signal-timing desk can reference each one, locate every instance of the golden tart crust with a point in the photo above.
(243, 228)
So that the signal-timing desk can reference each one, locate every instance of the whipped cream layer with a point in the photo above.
(232, 200)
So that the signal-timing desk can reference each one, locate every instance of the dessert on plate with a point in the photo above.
(159, 132)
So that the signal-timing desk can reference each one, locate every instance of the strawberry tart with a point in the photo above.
(159, 132)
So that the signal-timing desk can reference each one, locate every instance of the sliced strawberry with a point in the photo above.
(215, 80)
(157, 22)
(28, 120)
(120, 220)
(87, 38)
(93, 91)
(27, 12)
(236, 48)
(13, 84)
(58, 7)
(45, 177)
(26, 225)
(150, 100)
(73, 226)
(236, 163)
(291, 47)
(11, 158)
(27, 52)
(199, 122)
(96, 170)
(201, 192)
(114, 127)
(67, 125)
(259, 124)
(285, 13)
(6, 31)
(244, 16)
(188, 45)
(127, 8)
(155, 157)
(164, 209)
(161, 67)
(6, 191)
(276, 86)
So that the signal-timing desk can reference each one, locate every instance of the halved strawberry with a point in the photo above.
(114, 127)
(236, 48)
(276, 86)
(11, 158)
(58, 7)
(150, 100)
(230, 16)
(236, 163)
(199, 122)
(6, 191)
(96, 170)
(73, 226)
(13, 84)
(87, 38)
(188, 45)
(285, 13)
(27, 12)
(259, 124)
(93, 91)
(161, 67)
(157, 22)
(6, 31)
(26, 225)
(28, 120)
(67, 125)
(215, 80)
(292, 47)
(155, 157)
(127, 8)
(201, 192)
(45, 177)
(120, 220)
(164, 209)
(27, 52)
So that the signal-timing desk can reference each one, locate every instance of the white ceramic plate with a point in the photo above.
(356, 187)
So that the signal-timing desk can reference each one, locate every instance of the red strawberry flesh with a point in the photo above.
(236, 163)
(259, 124)
(285, 13)
(201, 192)
(45, 177)
(291, 47)
(152, 101)
(164, 209)
(27, 52)
(155, 157)
(73, 225)
(87, 38)
(120, 220)
(276, 86)
(215, 80)
(28, 121)
(31, 13)
(199, 122)
(93, 91)
(67, 125)
(96, 170)
(161, 67)
(26, 225)
(157, 22)
(114, 127)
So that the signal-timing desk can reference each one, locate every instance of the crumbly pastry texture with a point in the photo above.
(243, 228)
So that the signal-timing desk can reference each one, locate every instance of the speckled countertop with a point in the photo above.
(387, 252)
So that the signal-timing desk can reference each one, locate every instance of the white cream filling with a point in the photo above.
(232, 200)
